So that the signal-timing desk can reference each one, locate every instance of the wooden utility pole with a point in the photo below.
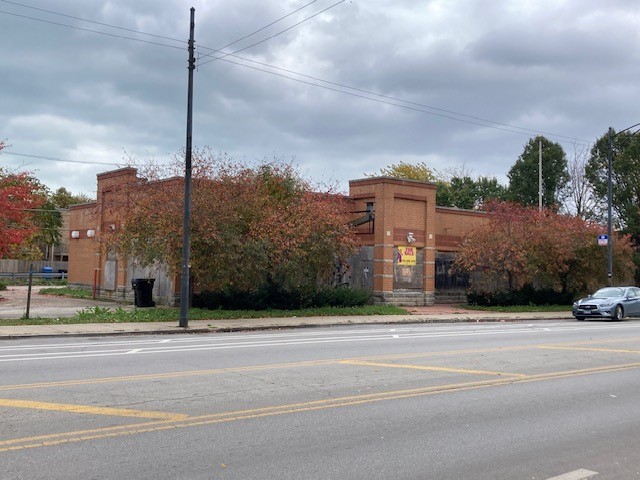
(186, 238)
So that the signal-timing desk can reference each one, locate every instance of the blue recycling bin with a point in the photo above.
(48, 271)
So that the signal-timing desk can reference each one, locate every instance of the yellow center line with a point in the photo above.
(158, 376)
(217, 371)
(432, 368)
(591, 342)
(116, 412)
(125, 430)
(589, 349)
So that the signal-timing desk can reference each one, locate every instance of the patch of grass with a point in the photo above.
(520, 308)
(66, 292)
(170, 314)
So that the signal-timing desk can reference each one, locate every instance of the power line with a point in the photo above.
(367, 95)
(113, 35)
(40, 157)
(272, 36)
(395, 99)
(266, 26)
(409, 105)
(91, 21)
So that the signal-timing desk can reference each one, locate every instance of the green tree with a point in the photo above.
(625, 178)
(465, 192)
(63, 198)
(460, 191)
(524, 174)
(625, 181)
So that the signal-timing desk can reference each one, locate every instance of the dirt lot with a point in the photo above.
(13, 303)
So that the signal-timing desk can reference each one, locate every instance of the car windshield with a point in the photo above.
(609, 292)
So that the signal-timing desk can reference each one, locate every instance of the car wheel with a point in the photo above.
(580, 318)
(618, 313)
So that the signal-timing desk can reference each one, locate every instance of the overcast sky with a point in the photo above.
(453, 83)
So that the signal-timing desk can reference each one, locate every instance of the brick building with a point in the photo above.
(407, 243)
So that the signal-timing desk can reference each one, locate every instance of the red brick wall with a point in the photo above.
(83, 251)
(453, 224)
(403, 207)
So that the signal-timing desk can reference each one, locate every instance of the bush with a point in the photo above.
(277, 297)
(3, 286)
(527, 295)
(342, 297)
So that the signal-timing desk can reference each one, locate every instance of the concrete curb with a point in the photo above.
(244, 325)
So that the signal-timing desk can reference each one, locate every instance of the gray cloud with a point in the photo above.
(567, 68)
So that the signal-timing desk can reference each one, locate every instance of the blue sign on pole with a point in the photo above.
(603, 240)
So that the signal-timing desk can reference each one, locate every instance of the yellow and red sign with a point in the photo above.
(406, 255)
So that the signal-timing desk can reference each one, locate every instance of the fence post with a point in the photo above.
(29, 291)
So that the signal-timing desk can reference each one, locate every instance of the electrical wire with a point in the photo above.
(270, 37)
(113, 35)
(412, 107)
(266, 26)
(395, 99)
(93, 21)
(392, 101)
(40, 157)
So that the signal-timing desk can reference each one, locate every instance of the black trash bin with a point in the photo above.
(143, 292)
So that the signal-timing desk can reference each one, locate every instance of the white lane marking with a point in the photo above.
(218, 342)
(449, 330)
(135, 350)
(258, 341)
(579, 474)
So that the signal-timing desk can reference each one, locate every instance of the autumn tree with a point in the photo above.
(409, 171)
(20, 199)
(250, 226)
(524, 174)
(520, 245)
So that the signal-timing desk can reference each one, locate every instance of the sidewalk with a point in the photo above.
(48, 306)
(233, 325)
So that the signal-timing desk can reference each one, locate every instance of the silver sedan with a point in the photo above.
(614, 303)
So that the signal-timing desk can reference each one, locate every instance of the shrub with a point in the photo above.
(342, 297)
(527, 295)
(3, 286)
(273, 296)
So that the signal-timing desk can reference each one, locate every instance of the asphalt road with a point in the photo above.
(459, 401)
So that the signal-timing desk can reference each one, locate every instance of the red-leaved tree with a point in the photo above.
(20, 196)
(249, 225)
(520, 245)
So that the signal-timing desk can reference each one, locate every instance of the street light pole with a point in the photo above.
(609, 207)
(540, 175)
(610, 137)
